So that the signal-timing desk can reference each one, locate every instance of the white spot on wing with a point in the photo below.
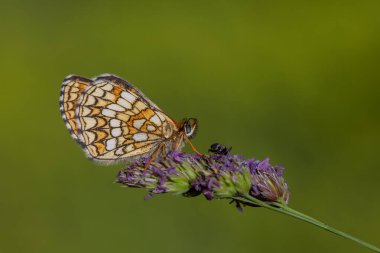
(161, 116)
(108, 113)
(151, 128)
(85, 111)
(138, 123)
(89, 122)
(155, 120)
(116, 132)
(124, 103)
(111, 144)
(107, 87)
(128, 96)
(140, 137)
(90, 100)
(115, 123)
(98, 92)
(90, 136)
(109, 96)
(116, 107)
(119, 151)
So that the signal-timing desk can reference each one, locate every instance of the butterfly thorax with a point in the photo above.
(167, 130)
(178, 134)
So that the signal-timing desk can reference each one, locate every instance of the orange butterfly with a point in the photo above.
(114, 121)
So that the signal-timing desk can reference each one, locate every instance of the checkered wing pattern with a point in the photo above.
(116, 121)
(71, 90)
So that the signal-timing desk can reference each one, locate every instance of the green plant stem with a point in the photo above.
(283, 208)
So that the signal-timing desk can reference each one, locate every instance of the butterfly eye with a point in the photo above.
(188, 129)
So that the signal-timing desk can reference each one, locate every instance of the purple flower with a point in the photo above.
(264, 166)
(214, 176)
(176, 156)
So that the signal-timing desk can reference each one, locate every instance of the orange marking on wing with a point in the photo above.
(133, 90)
(100, 122)
(66, 106)
(69, 106)
(148, 113)
(135, 117)
(73, 125)
(132, 130)
(140, 115)
(95, 111)
(144, 127)
(140, 144)
(82, 85)
(116, 91)
(73, 96)
(70, 114)
(100, 135)
(128, 140)
(100, 147)
(123, 117)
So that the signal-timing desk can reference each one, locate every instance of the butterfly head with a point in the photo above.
(189, 127)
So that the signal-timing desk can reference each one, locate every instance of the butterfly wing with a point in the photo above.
(128, 86)
(116, 121)
(72, 87)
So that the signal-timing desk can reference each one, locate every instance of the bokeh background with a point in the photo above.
(296, 81)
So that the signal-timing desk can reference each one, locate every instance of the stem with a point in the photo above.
(283, 208)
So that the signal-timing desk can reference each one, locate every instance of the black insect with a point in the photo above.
(219, 149)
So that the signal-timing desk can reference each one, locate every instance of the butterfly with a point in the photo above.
(113, 121)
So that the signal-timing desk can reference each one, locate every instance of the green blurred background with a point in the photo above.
(295, 81)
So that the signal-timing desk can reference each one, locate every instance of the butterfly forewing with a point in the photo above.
(116, 121)
(71, 90)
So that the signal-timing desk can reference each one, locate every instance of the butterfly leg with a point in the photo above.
(154, 155)
(164, 151)
(192, 146)
(178, 144)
